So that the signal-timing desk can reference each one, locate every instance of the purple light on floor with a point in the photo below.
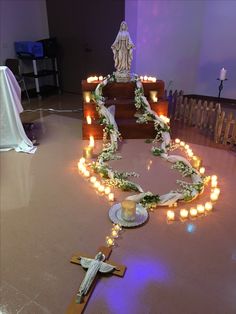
(121, 294)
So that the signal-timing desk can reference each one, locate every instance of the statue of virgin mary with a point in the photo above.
(123, 53)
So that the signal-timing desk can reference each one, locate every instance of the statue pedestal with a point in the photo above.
(122, 96)
(122, 77)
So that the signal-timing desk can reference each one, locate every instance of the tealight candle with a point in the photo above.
(82, 160)
(202, 170)
(154, 79)
(96, 184)
(117, 227)
(111, 197)
(109, 241)
(89, 120)
(196, 162)
(91, 141)
(193, 212)
(86, 173)
(214, 184)
(182, 143)
(183, 213)
(107, 190)
(186, 146)
(214, 197)
(101, 188)
(93, 179)
(214, 178)
(145, 78)
(100, 78)
(170, 215)
(141, 78)
(114, 234)
(200, 209)
(177, 140)
(208, 206)
(216, 191)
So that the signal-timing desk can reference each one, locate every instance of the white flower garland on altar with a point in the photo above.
(187, 191)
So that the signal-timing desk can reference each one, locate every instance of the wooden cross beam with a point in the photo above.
(78, 308)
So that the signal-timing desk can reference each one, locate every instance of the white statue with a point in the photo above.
(123, 53)
(93, 265)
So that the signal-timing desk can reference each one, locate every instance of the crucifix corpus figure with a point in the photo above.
(95, 266)
(123, 53)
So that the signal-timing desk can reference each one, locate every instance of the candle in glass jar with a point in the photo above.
(96, 184)
(153, 96)
(177, 140)
(202, 170)
(111, 197)
(100, 78)
(223, 74)
(200, 209)
(93, 179)
(214, 197)
(101, 188)
(128, 210)
(216, 191)
(87, 96)
(196, 162)
(193, 212)
(183, 213)
(88, 152)
(170, 215)
(208, 206)
(107, 190)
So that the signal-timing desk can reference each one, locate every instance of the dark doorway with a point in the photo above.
(85, 31)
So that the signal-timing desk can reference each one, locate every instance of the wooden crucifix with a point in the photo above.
(100, 265)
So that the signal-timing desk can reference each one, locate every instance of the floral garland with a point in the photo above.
(111, 135)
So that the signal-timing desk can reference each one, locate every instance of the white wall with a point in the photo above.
(21, 20)
(186, 42)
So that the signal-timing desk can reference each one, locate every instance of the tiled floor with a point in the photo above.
(48, 212)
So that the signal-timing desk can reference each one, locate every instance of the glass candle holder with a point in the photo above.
(153, 95)
(87, 96)
(88, 152)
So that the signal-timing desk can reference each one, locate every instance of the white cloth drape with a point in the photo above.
(12, 134)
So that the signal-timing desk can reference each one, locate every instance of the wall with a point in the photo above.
(21, 20)
(85, 31)
(186, 42)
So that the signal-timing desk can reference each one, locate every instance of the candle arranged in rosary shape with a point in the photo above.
(223, 74)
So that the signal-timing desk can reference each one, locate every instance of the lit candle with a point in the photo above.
(89, 79)
(141, 78)
(128, 210)
(202, 170)
(200, 209)
(214, 178)
(109, 241)
(145, 78)
(170, 215)
(107, 190)
(177, 140)
(96, 184)
(193, 212)
(117, 227)
(82, 160)
(208, 206)
(111, 197)
(89, 120)
(154, 79)
(91, 141)
(186, 146)
(93, 180)
(182, 143)
(196, 162)
(223, 74)
(190, 153)
(114, 234)
(87, 96)
(87, 174)
(214, 197)
(95, 78)
(214, 184)
(216, 191)
(101, 188)
(100, 78)
(183, 213)
(153, 95)
(88, 152)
